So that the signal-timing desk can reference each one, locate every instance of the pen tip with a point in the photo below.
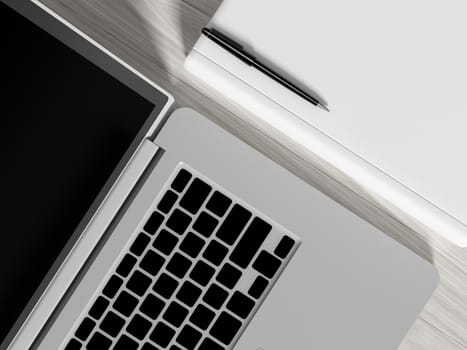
(323, 107)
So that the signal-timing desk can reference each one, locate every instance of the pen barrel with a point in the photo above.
(230, 45)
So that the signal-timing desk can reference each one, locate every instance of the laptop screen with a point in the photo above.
(65, 126)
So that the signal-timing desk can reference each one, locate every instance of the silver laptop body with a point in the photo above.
(204, 243)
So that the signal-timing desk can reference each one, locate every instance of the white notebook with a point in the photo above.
(393, 73)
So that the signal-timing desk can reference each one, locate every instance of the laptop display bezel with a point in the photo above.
(104, 61)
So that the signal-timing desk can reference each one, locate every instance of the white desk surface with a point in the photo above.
(154, 36)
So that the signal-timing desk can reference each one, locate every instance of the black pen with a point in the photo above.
(238, 51)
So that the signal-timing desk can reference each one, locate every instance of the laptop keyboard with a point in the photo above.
(192, 278)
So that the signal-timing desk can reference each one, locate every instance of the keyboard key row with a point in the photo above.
(219, 309)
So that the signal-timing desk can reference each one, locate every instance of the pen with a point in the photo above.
(238, 51)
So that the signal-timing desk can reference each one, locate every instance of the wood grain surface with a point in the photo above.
(154, 36)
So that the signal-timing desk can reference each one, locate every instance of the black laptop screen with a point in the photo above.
(65, 126)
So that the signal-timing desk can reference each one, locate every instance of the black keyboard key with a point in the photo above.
(165, 242)
(165, 286)
(209, 344)
(153, 223)
(99, 342)
(125, 303)
(140, 243)
(112, 286)
(188, 293)
(112, 324)
(167, 202)
(240, 304)
(258, 287)
(202, 317)
(229, 275)
(181, 180)
(284, 247)
(138, 283)
(234, 224)
(250, 242)
(138, 327)
(189, 337)
(152, 306)
(152, 262)
(195, 196)
(162, 335)
(215, 296)
(218, 203)
(175, 314)
(215, 252)
(178, 221)
(202, 273)
(205, 224)
(178, 265)
(267, 264)
(225, 328)
(85, 329)
(192, 245)
(148, 346)
(126, 265)
(126, 343)
(73, 344)
(98, 308)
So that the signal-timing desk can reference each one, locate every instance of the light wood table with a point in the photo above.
(154, 36)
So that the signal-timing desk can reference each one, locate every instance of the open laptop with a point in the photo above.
(196, 240)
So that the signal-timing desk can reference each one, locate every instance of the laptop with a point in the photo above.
(193, 240)
(393, 76)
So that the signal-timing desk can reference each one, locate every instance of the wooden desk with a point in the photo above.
(154, 36)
